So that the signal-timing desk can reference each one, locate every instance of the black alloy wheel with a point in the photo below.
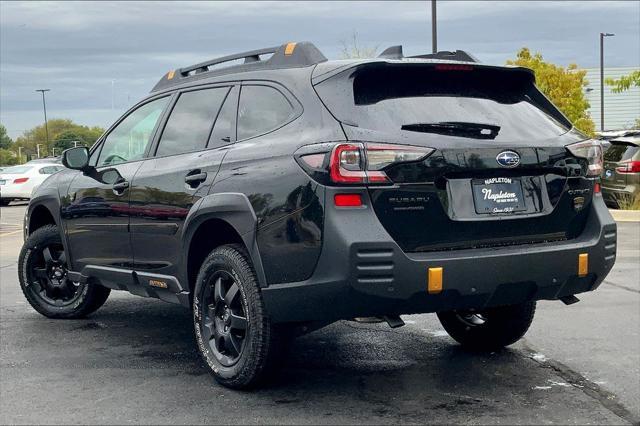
(225, 324)
(49, 276)
(44, 278)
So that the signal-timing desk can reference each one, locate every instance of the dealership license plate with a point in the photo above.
(498, 195)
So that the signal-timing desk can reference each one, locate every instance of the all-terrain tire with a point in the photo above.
(490, 329)
(87, 298)
(260, 340)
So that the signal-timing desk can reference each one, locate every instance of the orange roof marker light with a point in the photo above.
(288, 50)
(170, 74)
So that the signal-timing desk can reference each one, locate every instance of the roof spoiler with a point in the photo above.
(395, 52)
(290, 55)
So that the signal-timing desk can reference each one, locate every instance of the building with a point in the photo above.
(621, 110)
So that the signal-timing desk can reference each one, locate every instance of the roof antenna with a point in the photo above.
(393, 52)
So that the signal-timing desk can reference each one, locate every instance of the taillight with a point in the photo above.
(364, 163)
(20, 180)
(591, 151)
(629, 167)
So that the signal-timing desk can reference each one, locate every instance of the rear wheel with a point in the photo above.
(42, 267)
(233, 333)
(489, 329)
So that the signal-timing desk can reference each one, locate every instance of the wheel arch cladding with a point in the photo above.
(218, 219)
(39, 217)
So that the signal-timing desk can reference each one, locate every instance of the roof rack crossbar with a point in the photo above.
(290, 55)
(251, 56)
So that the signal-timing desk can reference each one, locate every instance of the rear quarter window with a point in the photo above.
(261, 110)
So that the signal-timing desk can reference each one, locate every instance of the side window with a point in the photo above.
(261, 109)
(46, 170)
(225, 127)
(129, 140)
(190, 122)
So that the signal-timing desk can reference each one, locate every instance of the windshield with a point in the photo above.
(502, 104)
(16, 170)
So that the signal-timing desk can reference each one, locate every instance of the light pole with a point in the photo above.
(44, 107)
(38, 149)
(602, 36)
(434, 28)
(19, 155)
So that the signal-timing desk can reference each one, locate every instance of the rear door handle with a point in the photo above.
(195, 178)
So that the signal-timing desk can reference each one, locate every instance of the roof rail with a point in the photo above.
(290, 55)
(458, 55)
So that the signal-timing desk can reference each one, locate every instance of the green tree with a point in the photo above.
(563, 86)
(5, 140)
(7, 157)
(624, 83)
(61, 131)
(66, 140)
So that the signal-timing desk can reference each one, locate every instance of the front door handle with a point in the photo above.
(195, 178)
(118, 188)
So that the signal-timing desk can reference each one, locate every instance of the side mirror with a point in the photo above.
(76, 158)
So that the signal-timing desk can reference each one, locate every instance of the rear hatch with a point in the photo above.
(499, 173)
(617, 158)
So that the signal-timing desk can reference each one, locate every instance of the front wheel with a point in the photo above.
(233, 333)
(489, 329)
(42, 269)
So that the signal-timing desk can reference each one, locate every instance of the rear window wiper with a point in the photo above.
(456, 128)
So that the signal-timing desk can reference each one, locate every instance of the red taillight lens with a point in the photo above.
(596, 188)
(364, 163)
(347, 200)
(20, 180)
(629, 167)
(346, 164)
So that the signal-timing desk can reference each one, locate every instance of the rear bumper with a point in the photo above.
(13, 191)
(612, 195)
(363, 272)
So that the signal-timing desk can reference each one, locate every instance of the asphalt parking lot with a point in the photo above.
(134, 361)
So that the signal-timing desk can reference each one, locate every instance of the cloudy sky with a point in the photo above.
(100, 57)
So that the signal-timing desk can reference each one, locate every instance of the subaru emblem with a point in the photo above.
(508, 159)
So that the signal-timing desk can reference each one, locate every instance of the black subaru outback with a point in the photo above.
(274, 192)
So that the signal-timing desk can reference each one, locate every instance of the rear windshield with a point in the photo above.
(500, 104)
(620, 152)
(16, 170)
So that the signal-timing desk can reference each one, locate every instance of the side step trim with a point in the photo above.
(145, 284)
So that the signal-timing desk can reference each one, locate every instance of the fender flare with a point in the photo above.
(236, 210)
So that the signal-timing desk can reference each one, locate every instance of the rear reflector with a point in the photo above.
(20, 180)
(347, 200)
(434, 285)
(596, 188)
(583, 264)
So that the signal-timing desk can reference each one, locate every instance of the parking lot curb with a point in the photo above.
(625, 215)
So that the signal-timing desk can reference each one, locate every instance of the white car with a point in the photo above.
(18, 182)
